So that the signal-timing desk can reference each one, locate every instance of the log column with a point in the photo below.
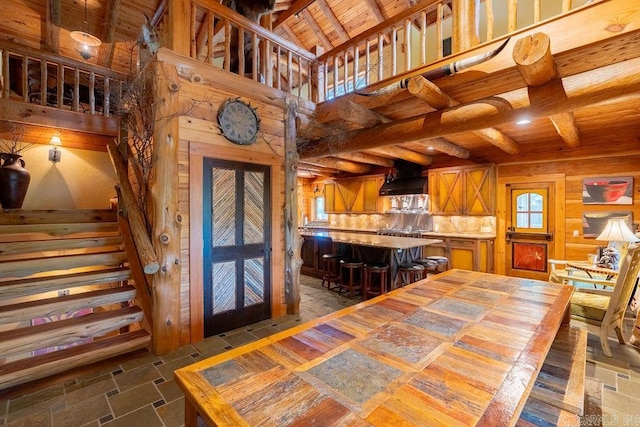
(166, 217)
(293, 240)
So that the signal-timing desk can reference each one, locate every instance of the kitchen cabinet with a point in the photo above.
(474, 254)
(353, 195)
(464, 190)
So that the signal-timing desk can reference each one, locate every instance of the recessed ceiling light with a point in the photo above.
(523, 122)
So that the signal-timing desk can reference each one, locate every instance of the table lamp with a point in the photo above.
(617, 233)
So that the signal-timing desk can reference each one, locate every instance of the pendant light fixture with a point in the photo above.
(85, 43)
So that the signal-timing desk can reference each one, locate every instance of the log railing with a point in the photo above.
(227, 40)
(45, 79)
(421, 35)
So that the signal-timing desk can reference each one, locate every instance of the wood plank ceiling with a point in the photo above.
(357, 134)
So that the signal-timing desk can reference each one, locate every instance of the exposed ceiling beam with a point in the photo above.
(430, 93)
(533, 58)
(366, 158)
(312, 129)
(395, 151)
(317, 169)
(52, 26)
(295, 8)
(160, 11)
(107, 48)
(315, 28)
(441, 145)
(363, 117)
(340, 164)
(291, 35)
(333, 20)
(558, 96)
(377, 8)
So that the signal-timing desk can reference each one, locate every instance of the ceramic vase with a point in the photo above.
(14, 181)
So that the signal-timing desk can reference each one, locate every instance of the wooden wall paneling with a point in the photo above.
(576, 170)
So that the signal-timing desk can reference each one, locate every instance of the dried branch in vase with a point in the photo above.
(12, 137)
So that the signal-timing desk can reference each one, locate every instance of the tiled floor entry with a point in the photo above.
(141, 392)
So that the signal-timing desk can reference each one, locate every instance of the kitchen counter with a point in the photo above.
(391, 250)
(336, 228)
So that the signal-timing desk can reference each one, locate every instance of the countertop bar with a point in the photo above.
(372, 240)
(429, 234)
(459, 348)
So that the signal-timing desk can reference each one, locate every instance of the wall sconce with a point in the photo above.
(54, 153)
(316, 189)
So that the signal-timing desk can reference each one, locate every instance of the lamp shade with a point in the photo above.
(617, 230)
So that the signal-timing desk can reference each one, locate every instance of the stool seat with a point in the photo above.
(372, 287)
(410, 272)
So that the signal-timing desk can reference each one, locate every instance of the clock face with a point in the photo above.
(239, 122)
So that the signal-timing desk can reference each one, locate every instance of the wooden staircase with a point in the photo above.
(67, 298)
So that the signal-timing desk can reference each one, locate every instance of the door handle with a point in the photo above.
(267, 252)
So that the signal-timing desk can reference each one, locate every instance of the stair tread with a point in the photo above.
(55, 306)
(36, 367)
(115, 274)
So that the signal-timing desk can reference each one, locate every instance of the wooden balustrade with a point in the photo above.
(225, 39)
(425, 33)
(36, 77)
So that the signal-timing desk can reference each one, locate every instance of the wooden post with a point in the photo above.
(293, 240)
(179, 31)
(166, 218)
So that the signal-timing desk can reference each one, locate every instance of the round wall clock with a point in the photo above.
(238, 122)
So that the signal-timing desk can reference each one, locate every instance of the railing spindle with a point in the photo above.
(423, 37)
(380, 56)
(289, 71)
(394, 51)
(407, 44)
(490, 18)
(367, 62)
(439, 32)
(92, 93)
(512, 13)
(25, 78)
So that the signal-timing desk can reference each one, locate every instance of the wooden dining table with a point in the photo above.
(396, 250)
(459, 348)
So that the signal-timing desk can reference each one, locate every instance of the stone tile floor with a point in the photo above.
(141, 392)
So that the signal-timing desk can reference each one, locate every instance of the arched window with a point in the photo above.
(530, 211)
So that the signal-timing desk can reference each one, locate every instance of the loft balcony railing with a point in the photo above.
(227, 40)
(44, 79)
(424, 34)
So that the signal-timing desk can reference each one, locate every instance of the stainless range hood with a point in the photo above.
(408, 180)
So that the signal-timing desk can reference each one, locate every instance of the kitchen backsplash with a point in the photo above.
(443, 224)
(464, 224)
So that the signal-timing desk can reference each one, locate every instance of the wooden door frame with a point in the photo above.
(197, 152)
(559, 214)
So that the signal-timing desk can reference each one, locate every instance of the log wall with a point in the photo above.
(575, 171)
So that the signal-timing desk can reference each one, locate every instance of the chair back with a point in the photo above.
(624, 284)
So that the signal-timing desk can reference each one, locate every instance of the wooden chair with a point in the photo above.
(603, 310)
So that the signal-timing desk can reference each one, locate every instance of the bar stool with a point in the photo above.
(351, 272)
(410, 272)
(442, 261)
(371, 271)
(331, 270)
(430, 265)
